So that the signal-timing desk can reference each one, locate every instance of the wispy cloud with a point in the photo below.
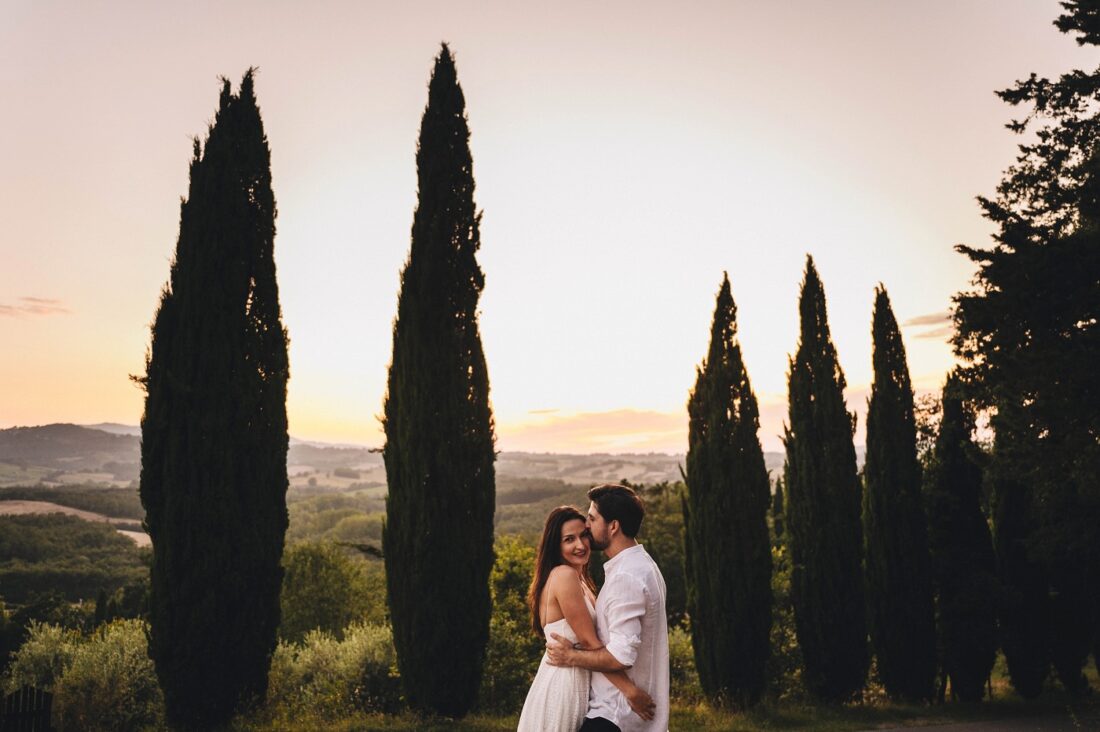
(639, 431)
(930, 319)
(33, 306)
(542, 411)
(941, 319)
(623, 430)
(938, 333)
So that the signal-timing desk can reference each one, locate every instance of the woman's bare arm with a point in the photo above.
(570, 598)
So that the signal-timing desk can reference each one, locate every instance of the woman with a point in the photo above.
(562, 599)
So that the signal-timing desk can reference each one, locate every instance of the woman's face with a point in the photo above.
(575, 548)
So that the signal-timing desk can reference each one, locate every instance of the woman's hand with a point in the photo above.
(641, 702)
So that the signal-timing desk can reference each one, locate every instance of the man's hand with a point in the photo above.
(642, 703)
(559, 651)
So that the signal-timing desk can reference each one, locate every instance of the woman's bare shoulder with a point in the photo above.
(563, 577)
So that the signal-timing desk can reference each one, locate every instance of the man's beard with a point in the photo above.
(596, 543)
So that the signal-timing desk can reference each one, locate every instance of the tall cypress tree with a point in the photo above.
(896, 561)
(963, 563)
(725, 520)
(438, 538)
(214, 432)
(823, 509)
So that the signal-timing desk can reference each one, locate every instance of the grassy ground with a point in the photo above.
(839, 718)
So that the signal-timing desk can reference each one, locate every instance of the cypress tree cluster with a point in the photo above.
(214, 431)
(438, 537)
(823, 527)
(728, 552)
(963, 562)
(899, 582)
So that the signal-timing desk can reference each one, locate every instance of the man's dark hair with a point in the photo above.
(619, 503)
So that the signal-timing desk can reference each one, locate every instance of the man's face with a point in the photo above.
(598, 533)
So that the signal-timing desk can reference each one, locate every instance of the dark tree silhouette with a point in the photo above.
(963, 563)
(1029, 332)
(725, 520)
(214, 432)
(1025, 604)
(823, 526)
(438, 537)
(898, 575)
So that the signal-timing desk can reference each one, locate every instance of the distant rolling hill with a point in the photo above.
(114, 451)
(66, 447)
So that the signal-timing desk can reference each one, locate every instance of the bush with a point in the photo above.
(323, 589)
(43, 657)
(511, 661)
(110, 683)
(104, 681)
(683, 678)
(335, 677)
(514, 651)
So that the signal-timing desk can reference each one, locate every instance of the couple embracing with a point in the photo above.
(606, 662)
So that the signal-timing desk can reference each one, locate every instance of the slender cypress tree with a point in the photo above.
(214, 432)
(963, 563)
(725, 521)
(438, 538)
(898, 575)
(823, 510)
(777, 511)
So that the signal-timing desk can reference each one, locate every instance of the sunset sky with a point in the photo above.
(626, 153)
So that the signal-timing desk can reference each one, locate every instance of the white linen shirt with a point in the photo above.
(632, 624)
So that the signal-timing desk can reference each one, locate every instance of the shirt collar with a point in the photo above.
(612, 563)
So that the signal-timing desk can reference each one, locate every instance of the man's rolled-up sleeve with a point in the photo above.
(626, 603)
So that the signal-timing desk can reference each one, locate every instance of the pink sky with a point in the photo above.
(626, 153)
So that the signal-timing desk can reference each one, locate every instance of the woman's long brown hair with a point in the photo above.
(548, 557)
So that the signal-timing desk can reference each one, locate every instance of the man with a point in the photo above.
(630, 620)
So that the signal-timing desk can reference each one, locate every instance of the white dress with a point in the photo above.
(558, 699)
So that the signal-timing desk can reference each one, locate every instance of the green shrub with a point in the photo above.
(104, 681)
(323, 589)
(683, 678)
(43, 657)
(110, 683)
(511, 660)
(514, 651)
(335, 677)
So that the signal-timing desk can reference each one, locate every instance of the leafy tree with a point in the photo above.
(438, 539)
(963, 563)
(823, 527)
(323, 589)
(1034, 306)
(214, 431)
(725, 520)
(898, 575)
